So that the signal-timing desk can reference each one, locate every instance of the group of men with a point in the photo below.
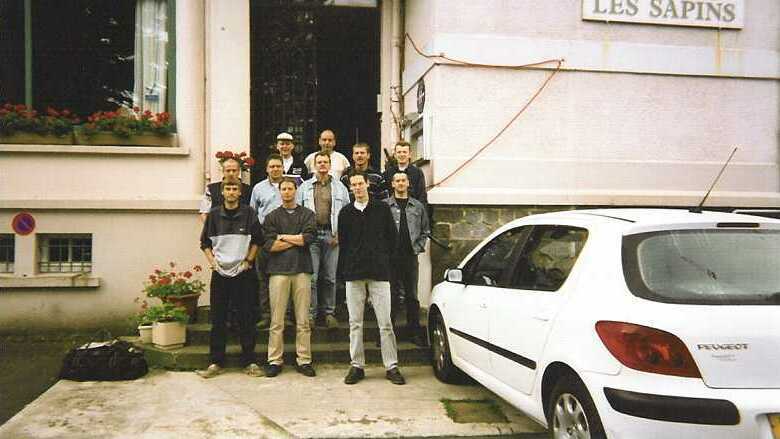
(309, 223)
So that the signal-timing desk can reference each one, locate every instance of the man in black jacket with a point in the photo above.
(361, 157)
(403, 163)
(293, 165)
(212, 197)
(367, 235)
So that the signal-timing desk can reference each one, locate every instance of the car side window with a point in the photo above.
(490, 266)
(548, 257)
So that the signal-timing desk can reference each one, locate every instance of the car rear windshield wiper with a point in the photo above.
(709, 272)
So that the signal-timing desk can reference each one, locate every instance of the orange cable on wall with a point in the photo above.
(559, 63)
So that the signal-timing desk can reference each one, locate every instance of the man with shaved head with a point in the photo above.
(338, 162)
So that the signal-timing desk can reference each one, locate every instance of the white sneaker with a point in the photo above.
(211, 371)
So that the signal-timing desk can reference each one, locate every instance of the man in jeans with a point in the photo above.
(411, 220)
(324, 195)
(289, 230)
(367, 235)
(230, 238)
(265, 198)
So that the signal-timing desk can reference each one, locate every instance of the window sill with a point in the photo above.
(72, 280)
(91, 149)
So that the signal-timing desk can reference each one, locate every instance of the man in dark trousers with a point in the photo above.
(289, 231)
(230, 238)
(403, 163)
(367, 235)
(411, 220)
(361, 158)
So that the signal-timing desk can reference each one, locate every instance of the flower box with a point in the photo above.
(144, 139)
(36, 139)
(145, 333)
(169, 335)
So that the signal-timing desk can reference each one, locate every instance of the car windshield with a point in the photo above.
(708, 267)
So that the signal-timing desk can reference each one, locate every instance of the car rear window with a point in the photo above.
(707, 266)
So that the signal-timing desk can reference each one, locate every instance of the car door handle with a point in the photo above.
(543, 316)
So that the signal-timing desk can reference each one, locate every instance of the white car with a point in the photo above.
(621, 323)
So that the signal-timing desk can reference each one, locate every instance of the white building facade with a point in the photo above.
(648, 101)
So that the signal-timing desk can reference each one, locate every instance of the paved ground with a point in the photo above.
(233, 405)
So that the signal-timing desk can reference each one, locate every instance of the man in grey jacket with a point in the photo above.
(324, 195)
(411, 221)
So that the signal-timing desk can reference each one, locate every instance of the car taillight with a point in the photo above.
(647, 349)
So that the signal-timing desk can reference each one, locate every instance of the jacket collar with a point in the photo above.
(223, 212)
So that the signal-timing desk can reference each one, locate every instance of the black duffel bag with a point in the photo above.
(114, 360)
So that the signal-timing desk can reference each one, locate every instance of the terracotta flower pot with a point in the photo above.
(189, 302)
(169, 335)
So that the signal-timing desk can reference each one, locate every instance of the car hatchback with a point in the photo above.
(621, 323)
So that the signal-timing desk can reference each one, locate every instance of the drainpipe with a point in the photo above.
(396, 95)
(206, 122)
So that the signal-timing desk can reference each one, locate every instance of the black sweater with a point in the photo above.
(366, 239)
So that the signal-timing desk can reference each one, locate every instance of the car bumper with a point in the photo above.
(637, 405)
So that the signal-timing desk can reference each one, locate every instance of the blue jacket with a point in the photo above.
(339, 197)
(265, 198)
(416, 221)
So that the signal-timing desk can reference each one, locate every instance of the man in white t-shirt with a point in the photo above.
(338, 161)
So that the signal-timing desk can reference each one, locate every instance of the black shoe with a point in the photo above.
(354, 375)
(306, 369)
(273, 370)
(395, 377)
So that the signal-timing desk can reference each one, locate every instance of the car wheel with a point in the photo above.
(571, 413)
(443, 368)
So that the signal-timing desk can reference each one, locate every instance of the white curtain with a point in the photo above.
(151, 66)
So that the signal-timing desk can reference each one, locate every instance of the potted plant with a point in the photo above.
(170, 326)
(128, 128)
(180, 288)
(144, 320)
(19, 124)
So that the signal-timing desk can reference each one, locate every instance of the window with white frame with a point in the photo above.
(87, 55)
(66, 253)
(6, 253)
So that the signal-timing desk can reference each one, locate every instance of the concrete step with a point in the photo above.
(196, 356)
(203, 314)
(199, 333)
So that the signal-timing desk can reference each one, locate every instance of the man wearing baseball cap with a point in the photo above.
(292, 165)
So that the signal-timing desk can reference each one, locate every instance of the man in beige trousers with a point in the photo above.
(289, 231)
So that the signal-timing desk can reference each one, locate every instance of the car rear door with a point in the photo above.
(533, 292)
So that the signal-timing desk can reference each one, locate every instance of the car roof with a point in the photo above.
(649, 217)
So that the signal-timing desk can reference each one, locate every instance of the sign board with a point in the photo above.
(421, 96)
(23, 223)
(729, 14)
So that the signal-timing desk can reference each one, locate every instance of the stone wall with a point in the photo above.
(463, 227)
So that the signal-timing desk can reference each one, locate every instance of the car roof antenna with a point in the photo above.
(698, 209)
